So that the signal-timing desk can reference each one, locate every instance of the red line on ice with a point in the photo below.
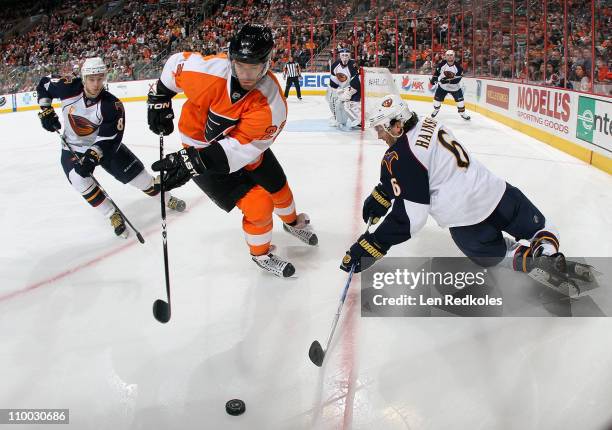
(91, 262)
(348, 335)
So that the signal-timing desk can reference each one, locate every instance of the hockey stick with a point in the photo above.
(161, 309)
(316, 353)
(74, 154)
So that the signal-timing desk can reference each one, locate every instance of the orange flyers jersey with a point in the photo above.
(244, 123)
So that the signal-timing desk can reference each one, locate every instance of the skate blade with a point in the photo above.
(313, 240)
(567, 287)
(582, 272)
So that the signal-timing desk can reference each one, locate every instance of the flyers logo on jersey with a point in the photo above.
(341, 77)
(387, 102)
(388, 160)
(218, 125)
(81, 126)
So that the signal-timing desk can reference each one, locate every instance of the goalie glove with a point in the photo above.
(363, 254)
(376, 205)
(345, 94)
(179, 167)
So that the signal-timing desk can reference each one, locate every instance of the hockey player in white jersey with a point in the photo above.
(344, 92)
(94, 122)
(448, 74)
(426, 171)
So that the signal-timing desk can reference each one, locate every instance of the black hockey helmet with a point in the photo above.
(252, 44)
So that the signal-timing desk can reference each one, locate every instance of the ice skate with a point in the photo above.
(302, 230)
(581, 272)
(551, 271)
(118, 224)
(176, 204)
(465, 116)
(274, 264)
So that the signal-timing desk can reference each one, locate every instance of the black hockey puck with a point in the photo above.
(235, 407)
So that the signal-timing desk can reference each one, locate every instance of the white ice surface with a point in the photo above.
(77, 330)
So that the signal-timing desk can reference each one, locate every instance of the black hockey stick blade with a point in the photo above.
(161, 311)
(140, 238)
(316, 353)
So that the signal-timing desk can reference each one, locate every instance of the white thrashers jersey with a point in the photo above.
(86, 122)
(453, 73)
(428, 172)
(342, 76)
(243, 123)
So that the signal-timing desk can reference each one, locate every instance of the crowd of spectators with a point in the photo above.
(128, 38)
(490, 38)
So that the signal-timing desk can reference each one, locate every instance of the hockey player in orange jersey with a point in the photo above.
(234, 111)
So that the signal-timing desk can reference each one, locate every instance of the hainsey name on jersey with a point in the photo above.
(87, 122)
(429, 172)
(455, 70)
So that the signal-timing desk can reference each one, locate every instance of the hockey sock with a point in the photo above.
(284, 206)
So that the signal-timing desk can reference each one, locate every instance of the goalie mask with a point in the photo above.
(345, 56)
(392, 108)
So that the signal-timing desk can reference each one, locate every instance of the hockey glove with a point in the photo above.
(49, 119)
(160, 113)
(363, 254)
(89, 161)
(444, 80)
(433, 80)
(179, 167)
(376, 205)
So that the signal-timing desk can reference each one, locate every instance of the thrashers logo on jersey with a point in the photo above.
(341, 77)
(388, 160)
(81, 126)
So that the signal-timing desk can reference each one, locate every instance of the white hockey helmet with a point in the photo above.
(391, 108)
(450, 55)
(93, 66)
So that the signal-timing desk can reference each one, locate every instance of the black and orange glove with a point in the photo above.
(49, 119)
(89, 161)
(363, 254)
(376, 205)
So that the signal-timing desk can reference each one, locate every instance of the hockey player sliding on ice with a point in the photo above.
(344, 92)
(425, 171)
(448, 74)
(234, 111)
(94, 121)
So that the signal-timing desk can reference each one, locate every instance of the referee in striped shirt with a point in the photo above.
(292, 73)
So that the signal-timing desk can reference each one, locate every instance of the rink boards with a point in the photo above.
(579, 124)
